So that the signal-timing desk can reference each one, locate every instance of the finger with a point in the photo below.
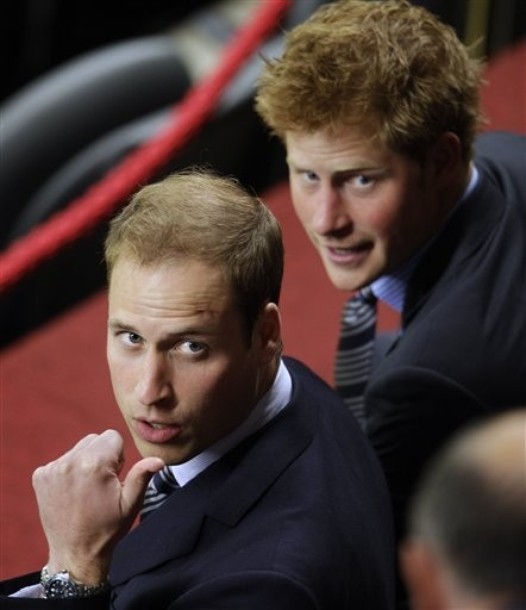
(109, 444)
(113, 444)
(82, 444)
(110, 438)
(42, 471)
(136, 482)
(107, 447)
(87, 440)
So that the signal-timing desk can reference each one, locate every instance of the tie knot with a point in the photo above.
(162, 484)
(367, 295)
(360, 311)
(164, 481)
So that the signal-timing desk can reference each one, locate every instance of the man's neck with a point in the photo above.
(271, 402)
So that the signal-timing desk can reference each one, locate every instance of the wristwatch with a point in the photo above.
(61, 585)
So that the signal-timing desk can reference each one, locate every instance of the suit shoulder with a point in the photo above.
(502, 156)
(304, 376)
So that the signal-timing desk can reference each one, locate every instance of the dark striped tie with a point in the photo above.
(355, 351)
(163, 483)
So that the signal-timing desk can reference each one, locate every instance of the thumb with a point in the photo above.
(136, 482)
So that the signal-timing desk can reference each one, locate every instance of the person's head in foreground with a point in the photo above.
(377, 103)
(467, 533)
(195, 266)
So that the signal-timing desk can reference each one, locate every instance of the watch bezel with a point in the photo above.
(61, 586)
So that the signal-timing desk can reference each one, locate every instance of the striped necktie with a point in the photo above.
(163, 483)
(355, 351)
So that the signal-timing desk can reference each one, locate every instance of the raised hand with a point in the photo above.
(85, 508)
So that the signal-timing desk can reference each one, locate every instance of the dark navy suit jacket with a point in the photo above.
(462, 351)
(297, 517)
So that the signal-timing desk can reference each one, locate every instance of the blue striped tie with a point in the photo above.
(355, 351)
(163, 483)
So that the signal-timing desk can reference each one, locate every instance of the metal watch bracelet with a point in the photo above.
(62, 585)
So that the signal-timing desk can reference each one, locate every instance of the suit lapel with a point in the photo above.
(168, 532)
(259, 461)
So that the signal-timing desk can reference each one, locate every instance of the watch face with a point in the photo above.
(60, 585)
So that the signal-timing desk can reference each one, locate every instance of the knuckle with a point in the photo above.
(42, 475)
(112, 436)
(38, 473)
(88, 464)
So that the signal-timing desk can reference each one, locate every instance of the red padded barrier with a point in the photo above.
(101, 200)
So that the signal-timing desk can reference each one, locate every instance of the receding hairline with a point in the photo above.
(497, 445)
(493, 448)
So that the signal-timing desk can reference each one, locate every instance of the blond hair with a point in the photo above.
(388, 62)
(198, 215)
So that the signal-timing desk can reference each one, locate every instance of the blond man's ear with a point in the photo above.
(269, 332)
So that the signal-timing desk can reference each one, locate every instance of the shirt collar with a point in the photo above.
(392, 288)
(273, 401)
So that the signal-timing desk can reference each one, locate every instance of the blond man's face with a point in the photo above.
(182, 371)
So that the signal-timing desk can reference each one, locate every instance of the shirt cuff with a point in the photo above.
(31, 592)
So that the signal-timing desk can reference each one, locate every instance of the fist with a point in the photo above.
(84, 507)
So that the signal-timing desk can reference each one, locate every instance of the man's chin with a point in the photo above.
(347, 281)
(346, 277)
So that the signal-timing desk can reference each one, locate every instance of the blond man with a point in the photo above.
(265, 493)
